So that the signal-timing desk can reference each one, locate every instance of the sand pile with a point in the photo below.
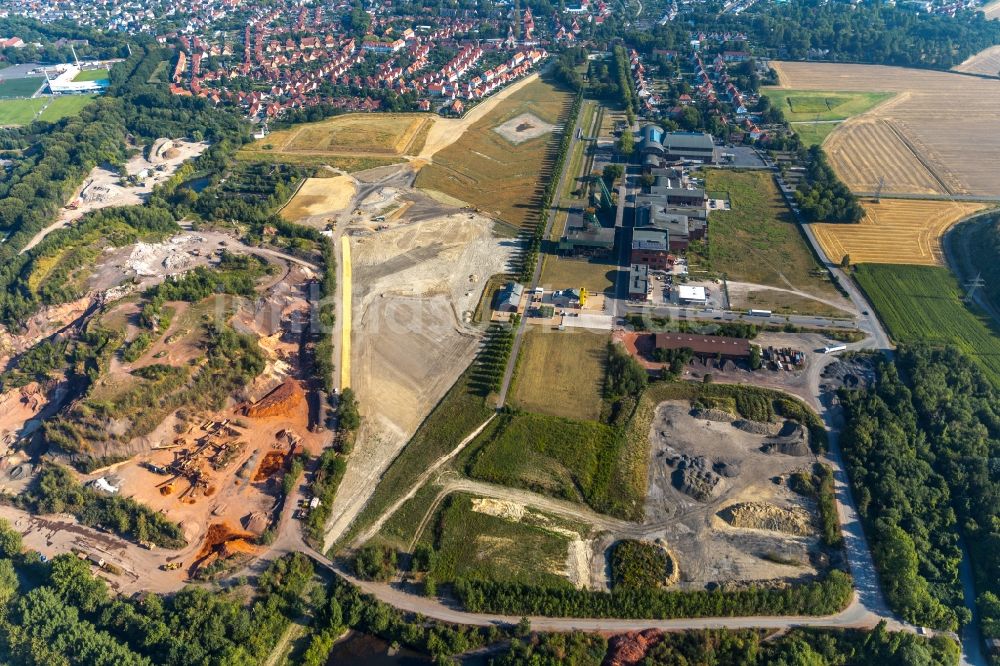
(282, 401)
(763, 516)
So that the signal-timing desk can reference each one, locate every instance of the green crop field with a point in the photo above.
(758, 240)
(20, 87)
(93, 75)
(923, 304)
(472, 544)
(800, 105)
(581, 461)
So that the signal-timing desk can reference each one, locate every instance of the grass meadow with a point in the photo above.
(758, 240)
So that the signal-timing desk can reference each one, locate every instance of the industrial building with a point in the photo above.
(638, 283)
(692, 295)
(676, 146)
(705, 346)
(586, 238)
(682, 225)
(651, 247)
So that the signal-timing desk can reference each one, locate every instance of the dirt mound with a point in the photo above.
(221, 542)
(282, 401)
(712, 415)
(727, 469)
(793, 442)
(236, 547)
(255, 522)
(631, 648)
(695, 476)
(756, 427)
(763, 516)
(855, 373)
(273, 462)
(171, 153)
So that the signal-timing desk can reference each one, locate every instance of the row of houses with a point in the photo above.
(296, 65)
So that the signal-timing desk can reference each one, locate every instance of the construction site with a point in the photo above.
(221, 479)
(718, 485)
(105, 187)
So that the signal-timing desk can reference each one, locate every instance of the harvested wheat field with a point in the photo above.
(940, 135)
(985, 62)
(351, 134)
(320, 196)
(896, 231)
(870, 148)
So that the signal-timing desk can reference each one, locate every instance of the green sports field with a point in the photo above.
(20, 87)
(92, 75)
(23, 111)
(801, 105)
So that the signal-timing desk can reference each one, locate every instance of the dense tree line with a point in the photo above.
(329, 473)
(960, 413)
(905, 503)
(822, 597)
(60, 613)
(869, 32)
(722, 647)
(348, 607)
(491, 362)
(565, 69)
(822, 196)
(530, 256)
(984, 248)
(575, 648)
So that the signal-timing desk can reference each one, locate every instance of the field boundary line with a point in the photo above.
(918, 155)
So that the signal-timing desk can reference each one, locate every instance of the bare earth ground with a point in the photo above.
(102, 189)
(415, 287)
(319, 197)
(708, 549)
(986, 61)
(940, 135)
(895, 231)
(350, 134)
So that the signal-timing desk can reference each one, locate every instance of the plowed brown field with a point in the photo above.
(940, 135)
(895, 231)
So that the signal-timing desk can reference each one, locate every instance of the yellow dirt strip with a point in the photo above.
(345, 310)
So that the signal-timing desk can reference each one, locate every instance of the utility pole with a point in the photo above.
(972, 286)
(878, 189)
